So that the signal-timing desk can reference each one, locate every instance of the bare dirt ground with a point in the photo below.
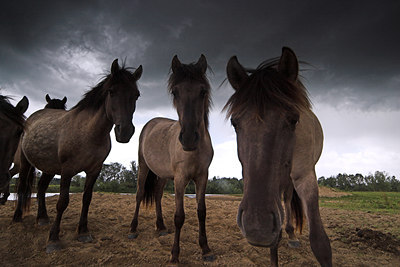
(357, 238)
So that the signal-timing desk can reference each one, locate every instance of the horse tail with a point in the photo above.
(297, 211)
(24, 187)
(149, 188)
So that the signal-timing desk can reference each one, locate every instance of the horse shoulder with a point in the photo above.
(308, 147)
(155, 145)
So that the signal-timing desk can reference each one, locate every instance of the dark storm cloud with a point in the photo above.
(52, 45)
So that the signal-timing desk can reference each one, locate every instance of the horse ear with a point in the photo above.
(64, 100)
(138, 73)
(202, 63)
(48, 98)
(288, 64)
(176, 64)
(114, 66)
(236, 73)
(22, 105)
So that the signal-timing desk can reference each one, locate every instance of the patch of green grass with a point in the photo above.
(388, 202)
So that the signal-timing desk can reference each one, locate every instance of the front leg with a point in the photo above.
(307, 188)
(83, 231)
(179, 219)
(42, 217)
(54, 243)
(201, 184)
(6, 194)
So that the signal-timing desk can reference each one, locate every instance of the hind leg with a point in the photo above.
(287, 197)
(83, 231)
(307, 189)
(159, 190)
(142, 176)
(26, 176)
(42, 217)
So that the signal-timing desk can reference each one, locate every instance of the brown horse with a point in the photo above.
(279, 142)
(51, 103)
(179, 150)
(68, 142)
(55, 103)
(12, 123)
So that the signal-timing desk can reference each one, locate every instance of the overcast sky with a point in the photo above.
(64, 47)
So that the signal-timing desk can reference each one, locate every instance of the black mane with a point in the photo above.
(94, 98)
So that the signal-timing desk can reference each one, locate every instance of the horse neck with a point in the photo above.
(96, 122)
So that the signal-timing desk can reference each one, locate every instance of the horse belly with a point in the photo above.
(42, 151)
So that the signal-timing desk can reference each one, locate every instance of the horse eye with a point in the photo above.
(203, 93)
(175, 94)
(111, 93)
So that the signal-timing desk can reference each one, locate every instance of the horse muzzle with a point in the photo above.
(123, 134)
(189, 141)
(262, 229)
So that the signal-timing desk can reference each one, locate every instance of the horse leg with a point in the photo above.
(6, 194)
(307, 189)
(83, 231)
(142, 176)
(54, 243)
(179, 219)
(42, 217)
(14, 170)
(274, 252)
(159, 190)
(287, 197)
(201, 185)
(23, 191)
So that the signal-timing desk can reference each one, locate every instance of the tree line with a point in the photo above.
(115, 177)
(379, 181)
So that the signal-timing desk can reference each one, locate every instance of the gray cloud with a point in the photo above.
(63, 47)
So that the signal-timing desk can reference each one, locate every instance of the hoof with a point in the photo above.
(85, 238)
(43, 221)
(17, 219)
(209, 258)
(2, 202)
(133, 235)
(53, 246)
(163, 233)
(294, 243)
(173, 262)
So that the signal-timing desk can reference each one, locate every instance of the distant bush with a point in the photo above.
(379, 181)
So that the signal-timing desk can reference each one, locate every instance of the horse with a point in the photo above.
(55, 103)
(12, 121)
(51, 103)
(179, 150)
(68, 142)
(279, 141)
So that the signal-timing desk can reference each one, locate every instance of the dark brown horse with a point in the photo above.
(279, 142)
(51, 103)
(68, 142)
(55, 103)
(12, 123)
(179, 150)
